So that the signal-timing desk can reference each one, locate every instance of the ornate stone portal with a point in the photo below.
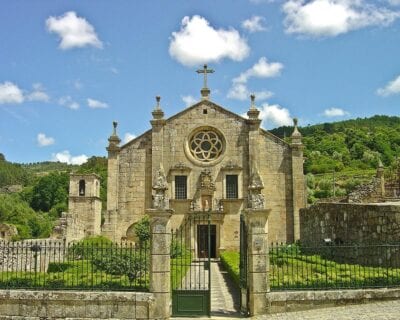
(207, 189)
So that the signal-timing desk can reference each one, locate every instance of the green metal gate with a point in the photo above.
(243, 268)
(190, 266)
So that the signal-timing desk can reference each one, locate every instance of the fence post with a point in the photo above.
(258, 259)
(160, 266)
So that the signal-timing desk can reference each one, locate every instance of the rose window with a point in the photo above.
(206, 145)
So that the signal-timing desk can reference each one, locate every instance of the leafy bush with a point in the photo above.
(142, 230)
(230, 262)
(121, 264)
(179, 249)
(49, 191)
(29, 224)
(89, 247)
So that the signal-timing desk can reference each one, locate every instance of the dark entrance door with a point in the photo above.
(202, 241)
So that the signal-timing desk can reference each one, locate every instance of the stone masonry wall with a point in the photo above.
(73, 305)
(361, 224)
(19, 256)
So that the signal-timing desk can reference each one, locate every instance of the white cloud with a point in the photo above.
(394, 2)
(239, 91)
(65, 156)
(189, 100)
(254, 24)
(77, 84)
(261, 69)
(393, 87)
(275, 116)
(74, 31)
(329, 18)
(38, 93)
(114, 70)
(335, 112)
(10, 93)
(68, 102)
(96, 104)
(44, 141)
(128, 137)
(197, 42)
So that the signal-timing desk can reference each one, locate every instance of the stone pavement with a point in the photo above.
(224, 295)
(386, 310)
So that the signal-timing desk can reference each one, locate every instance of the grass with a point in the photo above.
(292, 270)
(230, 262)
(179, 268)
(80, 274)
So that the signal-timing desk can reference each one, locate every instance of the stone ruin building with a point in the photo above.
(204, 158)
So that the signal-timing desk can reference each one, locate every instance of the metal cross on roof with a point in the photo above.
(205, 71)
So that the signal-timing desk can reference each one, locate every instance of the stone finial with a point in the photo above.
(114, 140)
(253, 99)
(296, 135)
(157, 113)
(253, 112)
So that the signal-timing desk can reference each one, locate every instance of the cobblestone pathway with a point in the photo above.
(388, 310)
(224, 296)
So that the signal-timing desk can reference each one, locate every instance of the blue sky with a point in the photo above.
(69, 68)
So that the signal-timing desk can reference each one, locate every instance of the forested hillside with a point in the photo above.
(349, 145)
(342, 155)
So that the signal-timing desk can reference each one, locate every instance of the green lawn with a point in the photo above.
(72, 275)
(292, 270)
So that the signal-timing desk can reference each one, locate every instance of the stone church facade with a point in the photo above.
(205, 158)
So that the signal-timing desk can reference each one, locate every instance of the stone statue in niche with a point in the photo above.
(160, 186)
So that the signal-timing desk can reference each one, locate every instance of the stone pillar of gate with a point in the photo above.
(160, 266)
(258, 260)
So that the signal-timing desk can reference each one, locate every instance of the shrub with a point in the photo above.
(230, 261)
(121, 264)
(179, 249)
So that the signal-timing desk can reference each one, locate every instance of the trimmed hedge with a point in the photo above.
(230, 261)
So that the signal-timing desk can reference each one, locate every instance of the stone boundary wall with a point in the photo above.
(46, 305)
(18, 255)
(290, 301)
(350, 223)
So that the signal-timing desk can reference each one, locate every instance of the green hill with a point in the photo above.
(341, 155)
(349, 145)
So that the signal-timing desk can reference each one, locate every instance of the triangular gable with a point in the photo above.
(210, 104)
(217, 107)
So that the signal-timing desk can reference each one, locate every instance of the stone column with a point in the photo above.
(258, 260)
(157, 137)
(160, 265)
(299, 191)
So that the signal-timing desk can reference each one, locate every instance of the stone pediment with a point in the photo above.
(207, 103)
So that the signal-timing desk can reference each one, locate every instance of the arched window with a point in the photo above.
(82, 186)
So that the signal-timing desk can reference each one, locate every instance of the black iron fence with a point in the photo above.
(86, 266)
(334, 266)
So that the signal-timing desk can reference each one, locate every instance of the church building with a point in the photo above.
(205, 158)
